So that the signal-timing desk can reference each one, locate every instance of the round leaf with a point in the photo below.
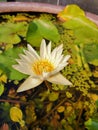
(53, 96)
(1, 89)
(61, 109)
(15, 114)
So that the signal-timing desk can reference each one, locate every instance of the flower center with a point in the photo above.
(41, 66)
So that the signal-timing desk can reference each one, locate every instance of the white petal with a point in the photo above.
(31, 56)
(29, 83)
(59, 51)
(23, 69)
(64, 62)
(43, 51)
(58, 54)
(44, 75)
(61, 66)
(32, 51)
(66, 58)
(24, 58)
(49, 50)
(58, 61)
(20, 61)
(57, 69)
(55, 53)
(59, 79)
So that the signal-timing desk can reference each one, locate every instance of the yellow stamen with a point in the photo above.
(41, 66)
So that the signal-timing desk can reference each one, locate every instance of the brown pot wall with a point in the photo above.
(7, 7)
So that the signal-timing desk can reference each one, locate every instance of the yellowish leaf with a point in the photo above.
(21, 18)
(3, 77)
(61, 109)
(49, 107)
(93, 96)
(68, 94)
(1, 88)
(16, 115)
(69, 12)
(53, 96)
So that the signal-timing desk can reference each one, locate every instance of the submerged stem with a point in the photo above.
(13, 101)
(49, 113)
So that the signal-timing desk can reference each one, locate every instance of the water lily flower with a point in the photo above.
(46, 66)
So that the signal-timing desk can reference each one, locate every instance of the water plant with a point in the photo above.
(62, 103)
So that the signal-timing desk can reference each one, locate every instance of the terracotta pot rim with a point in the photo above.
(8, 7)
(29, 7)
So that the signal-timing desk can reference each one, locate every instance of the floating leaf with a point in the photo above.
(91, 124)
(39, 29)
(70, 11)
(1, 89)
(84, 29)
(7, 59)
(33, 35)
(3, 77)
(20, 18)
(10, 32)
(61, 109)
(48, 30)
(53, 96)
(49, 107)
(94, 97)
(30, 113)
(68, 94)
(16, 115)
(4, 112)
(91, 53)
(97, 102)
(44, 95)
(57, 87)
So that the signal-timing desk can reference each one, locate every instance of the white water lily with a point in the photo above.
(46, 66)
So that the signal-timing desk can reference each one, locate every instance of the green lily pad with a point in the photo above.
(7, 59)
(85, 31)
(39, 29)
(91, 124)
(33, 35)
(91, 53)
(10, 32)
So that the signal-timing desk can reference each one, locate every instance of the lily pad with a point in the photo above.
(70, 11)
(1, 89)
(91, 53)
(7, 59)
(91, 124)
(33, 35)
(53, 96)
(16, 114)
(39, 29)
(10, 32)
(84, 29)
